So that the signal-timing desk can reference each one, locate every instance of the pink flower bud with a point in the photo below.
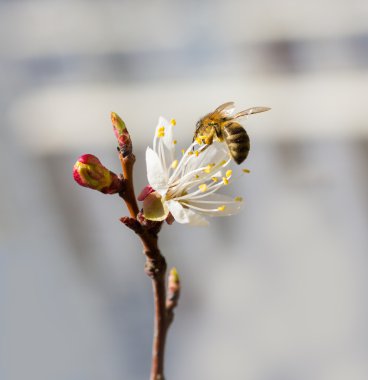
(89, 172)
(122, 134)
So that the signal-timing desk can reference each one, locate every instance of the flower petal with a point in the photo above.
(145, 191)
(156, 175)
(185, 215)
(164, 146)
(154, 208)
(215, 153)
(168, 139)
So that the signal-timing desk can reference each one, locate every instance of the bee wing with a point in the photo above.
(226, 109)
(251, 111)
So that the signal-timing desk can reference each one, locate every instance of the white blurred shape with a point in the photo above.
(63, 117)
(41, 28)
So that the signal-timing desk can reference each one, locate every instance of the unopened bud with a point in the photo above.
(122, 134)
(174, 283)
(173, 294)
(89, 172)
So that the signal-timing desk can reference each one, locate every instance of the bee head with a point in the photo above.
(199, 126)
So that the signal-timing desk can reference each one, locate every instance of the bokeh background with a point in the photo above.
(278, 292)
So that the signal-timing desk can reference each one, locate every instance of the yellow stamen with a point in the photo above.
(228, 173)
(225, 180)
(196, 176)
(223, 162)
(182, 151)
(214, 179)
(221, 208)
(202, 187)
(246, 171)
(238, 199)
(160, 134)
(175, 142)
(173, 122)
(199, 141)
(161, 129)
(196, 153)
(190, 153)
(208, 169)
(174, 164)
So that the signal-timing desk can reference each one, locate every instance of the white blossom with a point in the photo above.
(187, 187)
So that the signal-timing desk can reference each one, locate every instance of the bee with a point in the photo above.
(222, 125)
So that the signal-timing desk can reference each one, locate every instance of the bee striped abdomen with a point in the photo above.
(237, 141)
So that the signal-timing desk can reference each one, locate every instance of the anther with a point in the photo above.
(208, 168)
(202, 187)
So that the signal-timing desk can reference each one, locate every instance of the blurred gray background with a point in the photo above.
(278, 292)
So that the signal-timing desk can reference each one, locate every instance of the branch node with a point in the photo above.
(149, 225)
(133, 224)
(123, 186)
(155, 268)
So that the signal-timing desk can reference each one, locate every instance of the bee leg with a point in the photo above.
(209, 139)
(218, 133)
(205, 147)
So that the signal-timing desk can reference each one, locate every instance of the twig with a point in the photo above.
(89, 172)
(155, 266)
(127, 194)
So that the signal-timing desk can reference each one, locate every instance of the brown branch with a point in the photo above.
(128, 194)
(155, 268)
(89, 172)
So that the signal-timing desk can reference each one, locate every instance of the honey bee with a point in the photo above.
(222, 126)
